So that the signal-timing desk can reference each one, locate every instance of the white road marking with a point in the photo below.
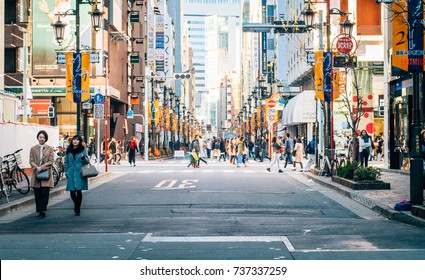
(190, 239)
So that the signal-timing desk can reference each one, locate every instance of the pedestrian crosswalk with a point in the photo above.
(192, 170)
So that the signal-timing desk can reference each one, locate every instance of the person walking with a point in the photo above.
(222, 150)
(240, 152)
(112, 150)
(289, 148)
(263, 145)
(310, 151)
(132, 149)
(365, 144)
(276, 154)
(41, 158)
(299, 153)
(120, 152)
(91, 150)
(216, 148)
(76, 157)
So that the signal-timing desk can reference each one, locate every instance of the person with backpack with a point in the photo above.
(310, 151)
(216, 148)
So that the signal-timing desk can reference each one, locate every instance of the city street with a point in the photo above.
(163, 210)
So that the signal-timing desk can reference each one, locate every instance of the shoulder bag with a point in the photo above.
(88, 171)
(43, 175)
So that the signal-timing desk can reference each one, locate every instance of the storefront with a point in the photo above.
(299, 114)
(400, 118)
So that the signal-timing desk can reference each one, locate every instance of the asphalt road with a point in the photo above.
(164, 210)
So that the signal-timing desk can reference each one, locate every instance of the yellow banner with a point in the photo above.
(156, 111)
(174, 123)
(342, 81)
(318, 74)
(69, 89)
(85, 76)
(253, 122)
(258, 117)
(149, 112)
(335, 83)
(400, 35)
(167, 119)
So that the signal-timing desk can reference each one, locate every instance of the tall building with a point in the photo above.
(198, 14)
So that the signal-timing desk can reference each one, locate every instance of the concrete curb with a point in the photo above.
(28, 200)
(377, 207)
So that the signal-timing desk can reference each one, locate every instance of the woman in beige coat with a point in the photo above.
(41, 158)
(299, 153)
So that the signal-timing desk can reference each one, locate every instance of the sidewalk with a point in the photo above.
(18, 201)
(382, 201)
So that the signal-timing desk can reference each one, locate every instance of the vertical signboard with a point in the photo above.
(264, 38)
(416, 37)
(327, 76)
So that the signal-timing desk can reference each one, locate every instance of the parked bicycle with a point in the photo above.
(58, 166)
(339, 161)
(13, 174)
(5, 186)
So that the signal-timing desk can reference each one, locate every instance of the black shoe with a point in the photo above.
(280, 171)
(268, 169)
(42, 214)
(77, 214)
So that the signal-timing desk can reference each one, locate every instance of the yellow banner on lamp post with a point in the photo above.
(318, 74)
(69, 88)
(156, 111)
(85, 76)
(400, 39)
(335, 83)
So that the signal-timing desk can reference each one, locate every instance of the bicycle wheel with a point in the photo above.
(334, 168)
(5, 189)
(22, 183)
(56, 177)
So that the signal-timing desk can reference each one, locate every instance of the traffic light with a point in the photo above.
(51, 112)
(381, 110)
(182, 75)
(31, 113)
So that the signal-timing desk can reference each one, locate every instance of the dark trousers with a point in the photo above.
(77, 198)
(364, 157)
(41, 198)
(288, 158)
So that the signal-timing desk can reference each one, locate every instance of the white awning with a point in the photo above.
(300, 109)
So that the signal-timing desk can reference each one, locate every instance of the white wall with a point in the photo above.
(24, 136)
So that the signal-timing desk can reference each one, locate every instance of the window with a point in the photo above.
(369, 20)
(223, 40)
(10, 11)
(10, 60)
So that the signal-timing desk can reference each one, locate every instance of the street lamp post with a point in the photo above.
(184, 125)
(347, 27)
(178, 121)
(59, 31)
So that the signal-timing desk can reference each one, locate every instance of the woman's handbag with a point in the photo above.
(88, 171)
(43, 175)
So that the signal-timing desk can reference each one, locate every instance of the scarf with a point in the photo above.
(77, 150)
(365, 138)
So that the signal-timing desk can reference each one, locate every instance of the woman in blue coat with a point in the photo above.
(76, 157)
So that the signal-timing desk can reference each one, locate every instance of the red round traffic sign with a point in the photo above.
(344, 44)
(271, 103)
